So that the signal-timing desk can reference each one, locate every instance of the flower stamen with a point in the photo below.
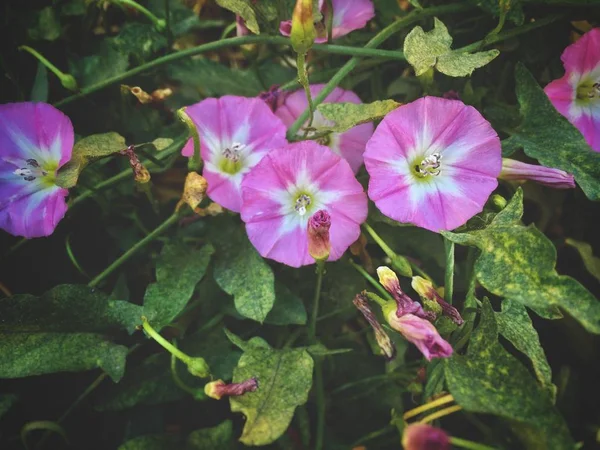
(31, 174)
(430, 165)
(234, 153)
(301, 204)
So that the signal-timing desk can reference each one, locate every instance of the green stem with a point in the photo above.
(449, 276)
(228, 29)
(224, 43)
(67, 80)
(129, 253)
(371, 280)
(195, 162)
(168, 31)
(329, 21)
(164, 343)
(177, 379)
(386, 248)
(320, 391)
(312, 329)
(303, 80)
(160, 24)
(378, 39)
(463, 443)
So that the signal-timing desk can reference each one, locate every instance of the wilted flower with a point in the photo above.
(235, 133)
(404, 304)
(420, 436)
(140, 173)
(577, 94)
(217, 389)
(433, 163)
(319, 245)
(349, 144)
(520, 171)
(426, 290)
(383, 340)
(421, 333)
(285, 189)
(36, 140)
(347, 16)
(194, 191)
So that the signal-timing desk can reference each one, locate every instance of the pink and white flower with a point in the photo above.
(287, 187)
(577, 94)
(349, 144)
(433, 163)
(235, 134)
(36, 139)
(347, 16)
(421, 333)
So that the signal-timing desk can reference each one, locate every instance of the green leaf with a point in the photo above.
(152, 442)
(68, 307)
(591, 262)
(45, 26)
(288, 308)
(424, 50)
(107, 62)
(515, 12)
(550, 138)
(39, 90)
(490, 380)
(348, 115)
(178, 271)
(240, 271)
(25, 355)
(139, 40)
(242, 8)
(219, 437)
(515, 325)
(284, 380)
(87, 150)
(518, 262)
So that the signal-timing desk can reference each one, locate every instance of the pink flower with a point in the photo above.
(347, 16)
(36, 139)
(520, 171)
(349, 144)
(235, 133)
(421, 333)
(433, 163)
(577, 94)
(420, 436)
(287, 187)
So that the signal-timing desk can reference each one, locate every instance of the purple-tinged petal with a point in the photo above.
(583, 55)
(240, 27)
(562, 93)
(547, 176)
(421, 333)
(420, 436)
(589, 125)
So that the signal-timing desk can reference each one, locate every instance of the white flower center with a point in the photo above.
(302, 202)
(233, 153)
(430, 165)
(31, 171)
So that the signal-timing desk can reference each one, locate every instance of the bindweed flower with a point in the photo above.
(577, 94)
(426, 290)
(218, 389)
(520, 171)
(319, 245)
(349, 144)
(235, 134)
(433, 163)
(347, 16)
(404, 304)
(383, 340)
(287, 187)
(36, 140)
(420, 436)
(421, 333)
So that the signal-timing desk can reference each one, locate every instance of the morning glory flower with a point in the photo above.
(433, 163)
(547, 176)
(287, 187)
(349, 144)
(235, 134)
(347, 16)
(577, 94)
(36, 139)
(420, 332)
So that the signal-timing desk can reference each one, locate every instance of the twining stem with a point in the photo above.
(303, 80)
(329, 21)
(427, 406)
(168, 30)
(312, 329)
(129, 253)
(379, 38)
(441, 413)
(371, 280)
(312, 336)
(463, 443)
(195, 162)
(164, 343)
(67, 80)
(160, 24)
(386, 248)
(449, 275)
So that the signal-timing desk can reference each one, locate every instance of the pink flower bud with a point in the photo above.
(520, 171)
(217, 389)
(421, 333)
(426, 290)
(319, 245)
(420, 436)
(405, 304)
(303, 33)
(383, 340)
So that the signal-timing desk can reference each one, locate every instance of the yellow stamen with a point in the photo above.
(432, 404)
(440, 413)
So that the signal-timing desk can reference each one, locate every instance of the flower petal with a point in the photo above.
(350, 15)
(583, 55)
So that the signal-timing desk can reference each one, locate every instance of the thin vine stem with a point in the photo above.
(449, 275)
(463, 443)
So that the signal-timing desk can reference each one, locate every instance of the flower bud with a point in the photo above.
(420, 436)
(198, 367)
(546, 176)
(421, 333)
(303, 31)
(319, 245)
(405, 304)
(383, 340)
(426, 290)
(217, 389)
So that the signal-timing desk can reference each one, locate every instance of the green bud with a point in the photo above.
(198, 367)
(303, 32)
(402, 266)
